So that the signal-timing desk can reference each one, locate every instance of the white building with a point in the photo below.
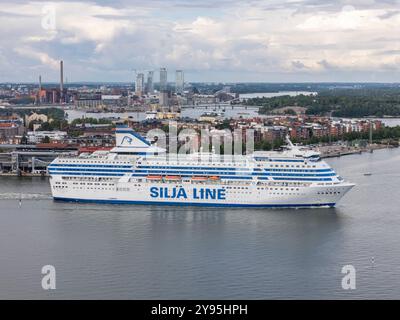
(38, 136)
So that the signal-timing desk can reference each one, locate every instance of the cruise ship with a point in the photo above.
(139, 172)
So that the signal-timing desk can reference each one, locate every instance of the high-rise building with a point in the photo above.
(150, 86)
(163, 79)
(61, 81)
(39, 97)
(139, 84)
(179, 81)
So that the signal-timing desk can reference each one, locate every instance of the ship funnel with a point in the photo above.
(127, 138)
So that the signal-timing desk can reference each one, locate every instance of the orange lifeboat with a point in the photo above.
(214, 178)
(172, 178)
(199, 178)
(154, 177)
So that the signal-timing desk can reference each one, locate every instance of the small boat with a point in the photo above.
(154, 177)
(214, 178)
(368, 174)
(199, 178)
(172, 178)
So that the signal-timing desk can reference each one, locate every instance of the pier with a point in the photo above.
(331, 151)
(28, 160)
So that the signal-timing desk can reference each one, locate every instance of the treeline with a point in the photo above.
(90, 121)
(269, 104)
(339, 102)
(257, 87)
(53, 113)
(56, 117)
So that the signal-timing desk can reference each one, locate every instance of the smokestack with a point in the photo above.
(61, 81)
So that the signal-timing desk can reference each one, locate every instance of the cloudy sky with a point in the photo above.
(212, 40)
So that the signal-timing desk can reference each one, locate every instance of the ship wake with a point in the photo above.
(25, 196)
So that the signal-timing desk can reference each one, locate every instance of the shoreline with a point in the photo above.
(339, 151)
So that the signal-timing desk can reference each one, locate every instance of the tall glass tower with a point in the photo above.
(179, 81)
(163, 79)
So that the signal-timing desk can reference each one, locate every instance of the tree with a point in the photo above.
(290, 112)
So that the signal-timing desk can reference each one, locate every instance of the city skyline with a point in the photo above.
(225, 41)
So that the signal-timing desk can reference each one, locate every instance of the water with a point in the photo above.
(137, 252)
(226, 112)
(390, 122)
(192, 112)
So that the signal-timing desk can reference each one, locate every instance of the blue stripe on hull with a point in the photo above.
(196, 203)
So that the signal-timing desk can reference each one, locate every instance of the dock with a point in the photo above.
(332, 151)
(27, 160)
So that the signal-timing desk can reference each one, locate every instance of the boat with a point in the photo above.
(154, 177)
(173, 178)
(138, 172)
(199, 178)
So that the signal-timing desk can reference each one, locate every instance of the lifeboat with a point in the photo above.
(154, 177)
(199, 178)
(214, 178)
(172, 178)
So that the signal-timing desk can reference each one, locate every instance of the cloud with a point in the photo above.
(227, 40)
(42, 57)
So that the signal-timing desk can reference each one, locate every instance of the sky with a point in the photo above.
(211, 40)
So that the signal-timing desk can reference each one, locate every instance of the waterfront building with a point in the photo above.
(52, 95)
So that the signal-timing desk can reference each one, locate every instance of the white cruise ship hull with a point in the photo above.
(200, 195)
